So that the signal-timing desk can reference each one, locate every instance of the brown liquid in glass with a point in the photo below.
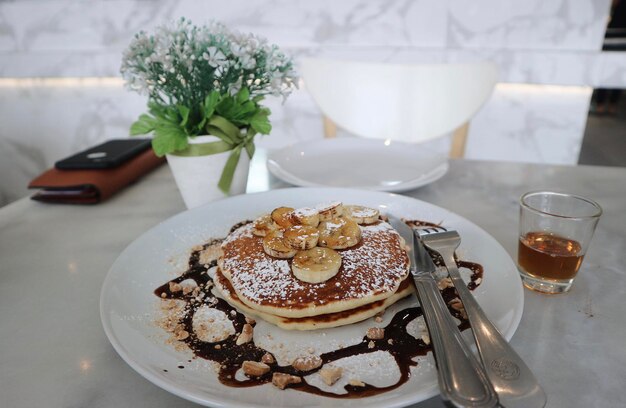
(549, 256)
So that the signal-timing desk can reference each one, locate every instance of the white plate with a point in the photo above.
(128, 305)
(358, 163)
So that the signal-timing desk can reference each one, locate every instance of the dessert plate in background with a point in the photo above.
(352, 162)
(128, 306)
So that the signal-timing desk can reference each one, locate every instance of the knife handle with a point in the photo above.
(462, 380)
(514, 382)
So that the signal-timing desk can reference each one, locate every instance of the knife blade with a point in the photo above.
(462, 379)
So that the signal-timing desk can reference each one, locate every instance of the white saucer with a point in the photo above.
(369, 164)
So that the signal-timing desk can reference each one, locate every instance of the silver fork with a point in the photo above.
(462, 378)
(513, 381)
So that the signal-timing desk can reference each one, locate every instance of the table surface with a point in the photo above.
(53, 260)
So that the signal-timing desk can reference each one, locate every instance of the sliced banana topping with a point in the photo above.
(274, 244)
(264, 225)
(301, 236)
(339, 233)
(362, 215)
(306, 216)
(330, 210)
(316, 265)
(311, 235)
(282, 216)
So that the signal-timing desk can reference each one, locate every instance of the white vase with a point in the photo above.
(197, 176)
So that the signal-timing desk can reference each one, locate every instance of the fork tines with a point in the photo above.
(430, 230)
(437, 239)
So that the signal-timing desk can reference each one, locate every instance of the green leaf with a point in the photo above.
(184, 113)
(248, 108)
(260, 122)
(210, 102)
(226, 107)
(243, 95)
(170, 114)
(156, 110)
(145, 124)
(200, 126)
(168, 139)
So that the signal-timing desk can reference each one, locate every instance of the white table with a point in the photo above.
(53, 259)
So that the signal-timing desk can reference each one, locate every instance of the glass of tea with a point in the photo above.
(555, 231)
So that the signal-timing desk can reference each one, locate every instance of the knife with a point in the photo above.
(462, 379)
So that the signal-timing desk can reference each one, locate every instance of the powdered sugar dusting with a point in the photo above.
(305, 212)
(211, 325)
(379, 227)
(328, 205)
(244, 231)
(377, 265)
(362, 212)
(333, 225)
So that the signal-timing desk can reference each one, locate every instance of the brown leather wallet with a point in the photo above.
(92, 186)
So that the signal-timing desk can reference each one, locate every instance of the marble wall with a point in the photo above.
(541, 38)
(549, 46)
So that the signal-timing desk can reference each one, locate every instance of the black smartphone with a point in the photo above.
(106, 155)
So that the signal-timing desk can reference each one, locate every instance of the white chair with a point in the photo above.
(403, 102)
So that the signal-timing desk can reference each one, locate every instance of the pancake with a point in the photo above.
(371, 271)
(324, 321)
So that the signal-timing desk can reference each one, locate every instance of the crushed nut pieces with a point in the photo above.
(457, 305)
(375, 333)
(268, 358)
(282, 380)
(307, 363)
(175, 287)
(246, 335)
(444, 283)
(356, 383)
(181, 335)
(330, 375)
(254, 368)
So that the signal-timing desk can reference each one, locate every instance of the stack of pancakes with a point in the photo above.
(372, 276)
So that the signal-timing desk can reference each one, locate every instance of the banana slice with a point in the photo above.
(301, 236)
(264, 225)
(306, 216)
(339, 233)
(316, 265)
(282, 216)
(274, 245)
(331, 210)
(362, 215)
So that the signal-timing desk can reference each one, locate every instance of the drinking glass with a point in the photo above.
(555, 230)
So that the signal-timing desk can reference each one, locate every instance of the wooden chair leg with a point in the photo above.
(459, 140)
(330, 128)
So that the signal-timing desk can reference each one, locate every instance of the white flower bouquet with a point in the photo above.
(205, 81)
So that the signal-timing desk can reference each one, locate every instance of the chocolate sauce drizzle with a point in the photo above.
(401, 345)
